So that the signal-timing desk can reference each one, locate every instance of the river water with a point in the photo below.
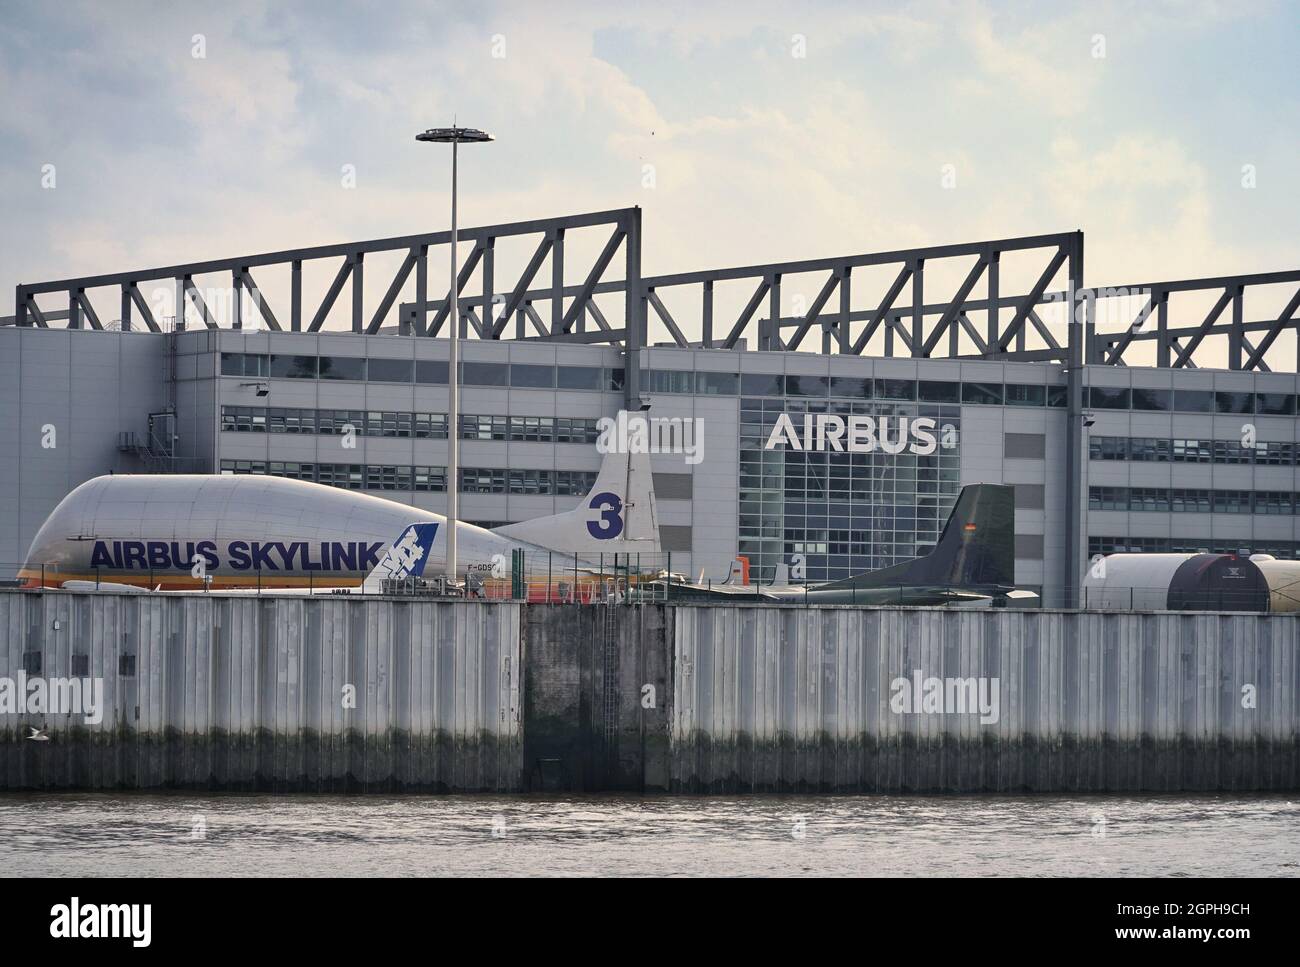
(232, 835)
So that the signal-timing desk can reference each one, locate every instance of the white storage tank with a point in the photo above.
(1192, 582)
(1283, 579)
(1131, 582)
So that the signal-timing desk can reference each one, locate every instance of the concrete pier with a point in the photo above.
(351, 694)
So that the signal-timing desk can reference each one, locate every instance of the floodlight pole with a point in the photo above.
(453, 392)
(453, 135)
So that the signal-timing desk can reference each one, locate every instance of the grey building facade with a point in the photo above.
(1176, 460)
(812, 390)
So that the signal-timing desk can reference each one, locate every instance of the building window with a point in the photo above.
(989, 394)
(1231, 451)
(1273, 502)
(1275, 404)
(717, 384)
(810, 386)
(578, 377)
(484, 427)
(936, 391)
(1108, 398)
(390, 370)
(431, 372)
(1194, 400)
(670, 381)
(535, 377)
(343, 367)
(1019, 394)
(1193, 451)
(429, 479)
(574, 483)
(348, 476)
(1152, 399)
(1234, 402)
(293, 367)
(476, 481)
(485, 374)
(1108, 448)
(1148, 499)
(572, 429)
(529, 482)
(388, 478)
(430, 426)
(1274, 454)
(294, 471)
(762, 384)
(243, 466)
(1185, 500)
(1232, 501)
(1148, 449)
(895, 389)
(1108, 498)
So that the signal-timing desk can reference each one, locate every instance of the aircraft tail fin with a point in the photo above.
(978, 543)
(739, 575)
(617, 516)
(406, 557)
(977, 548)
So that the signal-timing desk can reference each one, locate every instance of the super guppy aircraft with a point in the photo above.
(194, 531)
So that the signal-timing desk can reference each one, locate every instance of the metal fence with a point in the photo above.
(555, 578)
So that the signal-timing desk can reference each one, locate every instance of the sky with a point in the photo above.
(145, 133)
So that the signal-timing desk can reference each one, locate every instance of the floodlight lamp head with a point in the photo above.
(454, 135)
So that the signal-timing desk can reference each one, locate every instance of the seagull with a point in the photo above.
(38, 735)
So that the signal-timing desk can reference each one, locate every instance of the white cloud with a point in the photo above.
(770, 159)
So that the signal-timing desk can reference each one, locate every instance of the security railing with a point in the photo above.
(555, 578)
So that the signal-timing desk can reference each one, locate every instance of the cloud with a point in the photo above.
(164, 157)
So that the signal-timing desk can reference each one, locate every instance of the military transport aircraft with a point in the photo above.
(973, 564)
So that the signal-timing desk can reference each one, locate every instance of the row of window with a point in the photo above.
(1192, 500)
(1161, 450)
(1191, 401)
(432, 372)
(416, 479)
(526, 375)
(388, 423)
(1189, 545)
(854, 388)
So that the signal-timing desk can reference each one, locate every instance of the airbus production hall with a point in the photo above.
(848, 463)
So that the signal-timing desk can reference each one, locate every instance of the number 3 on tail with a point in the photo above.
(610, 524)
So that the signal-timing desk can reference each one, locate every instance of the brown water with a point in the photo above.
(180, 835)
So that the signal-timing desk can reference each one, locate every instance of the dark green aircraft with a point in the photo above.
(972, 565)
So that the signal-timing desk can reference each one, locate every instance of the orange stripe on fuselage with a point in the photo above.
(177, 582)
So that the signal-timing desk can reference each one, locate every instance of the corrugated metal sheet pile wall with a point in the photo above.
(344, 694)
(893, 700)
(321, 693)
